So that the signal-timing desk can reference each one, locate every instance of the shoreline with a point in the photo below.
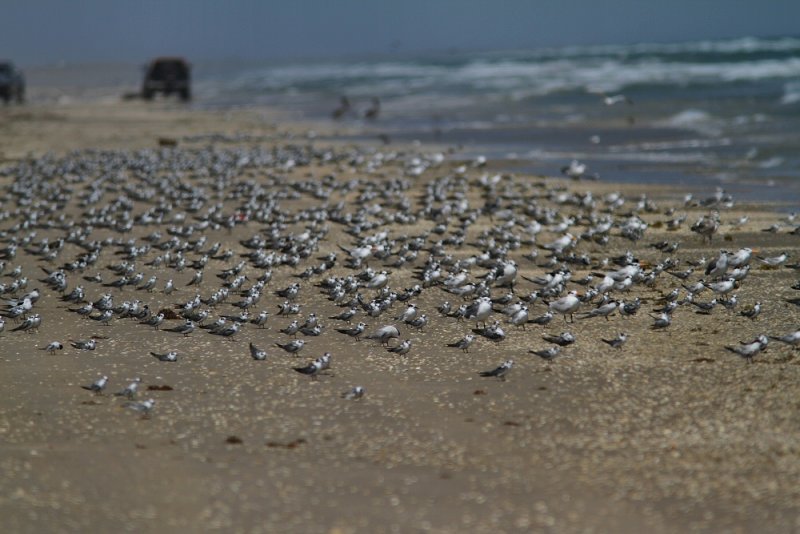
(670, 433)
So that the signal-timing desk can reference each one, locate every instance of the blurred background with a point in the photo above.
(695, 92)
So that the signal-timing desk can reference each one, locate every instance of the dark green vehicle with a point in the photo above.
(12, 83)
(167, 75)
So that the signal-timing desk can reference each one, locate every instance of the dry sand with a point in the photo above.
(670, 434)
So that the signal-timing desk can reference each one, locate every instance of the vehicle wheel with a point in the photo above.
(186, 95)
(147, 94)
(20, 97)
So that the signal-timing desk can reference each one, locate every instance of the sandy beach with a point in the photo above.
(671, 433)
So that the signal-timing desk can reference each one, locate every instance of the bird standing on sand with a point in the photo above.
(706, 226)
(98, 385)
(401, 349)
(463, 343)
(500, 371)
(144, 407)
(384, 334)
(661, 321)
(354, 393)
(618, 341)
(792, 338)
(292, 347)
(718, 266)
(130, 389)
(566, 305)
(547, 354)
(52, 347)
(185, 329)
(257, 354)
(354, 332)
(749, 350)
(752, 312)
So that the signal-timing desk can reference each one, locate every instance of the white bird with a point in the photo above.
(89, 344)
(774, 261)
(354, 393)
(98, 385)
(185, 329)
(740, 258)
(561, 244)
(792, 338)
(722, 287)
(53, 346)
(567, 305)
(130, 389)
(293, 347)
(501, 371)
(749, 350)
(661, 321)
(520, 318)
(563, 339)
(384, 334)
(257, 354)
(401, 349)
(144, 407)
(463, 343)
(752, 312)
(408, 314)
(171, 356)
(618, 341)
(548, 353)
(718, 266)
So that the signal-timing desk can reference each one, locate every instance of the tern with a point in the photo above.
(98, 385)
(130, 389)
(618, 341)
(463, 343)
(354, 393)
(500, 371)
(52, 347)
(384, 334)
(257, 354)
(562, 340)
(171, 356)
(293, 347)
(566, 305)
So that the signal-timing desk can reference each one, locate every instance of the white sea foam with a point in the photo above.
(791, 93)
(520, 77)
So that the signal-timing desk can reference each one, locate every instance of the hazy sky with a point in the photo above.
(49, 31)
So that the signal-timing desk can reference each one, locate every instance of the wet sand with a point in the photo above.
(671, 433)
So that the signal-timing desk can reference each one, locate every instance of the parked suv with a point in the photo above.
(167, 75)
(12, 83)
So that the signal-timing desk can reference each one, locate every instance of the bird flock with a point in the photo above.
(360, 245)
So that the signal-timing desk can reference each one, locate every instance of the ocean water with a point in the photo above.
(699, 114)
